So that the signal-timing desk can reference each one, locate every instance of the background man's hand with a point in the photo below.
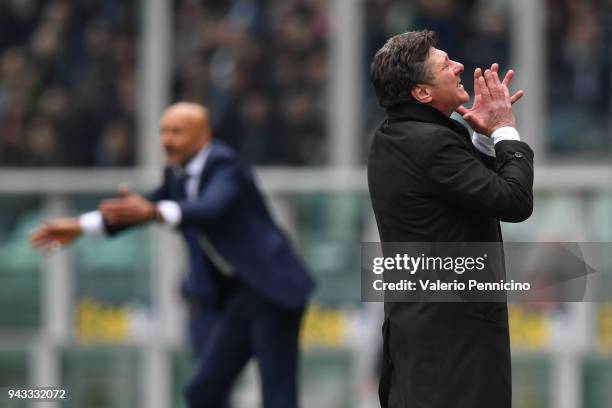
(131, 209)
(53, 235)
(492, 107)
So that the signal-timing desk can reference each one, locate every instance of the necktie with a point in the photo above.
(181, 183)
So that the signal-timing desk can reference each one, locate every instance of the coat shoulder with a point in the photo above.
(221, 151)
(223, 156)
(417, 139)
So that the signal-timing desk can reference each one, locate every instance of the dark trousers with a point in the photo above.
(245, 325)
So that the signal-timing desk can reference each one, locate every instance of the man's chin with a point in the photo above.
(172, 162)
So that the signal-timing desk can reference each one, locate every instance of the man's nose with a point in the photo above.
(458, 67)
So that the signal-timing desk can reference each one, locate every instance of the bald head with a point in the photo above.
(188, 111)
(184, 131)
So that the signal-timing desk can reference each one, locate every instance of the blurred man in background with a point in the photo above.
(430, 183)
(246, 288)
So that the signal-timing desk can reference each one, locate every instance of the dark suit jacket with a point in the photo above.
(428, 183)
(231, 212)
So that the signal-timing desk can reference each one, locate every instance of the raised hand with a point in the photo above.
(130, 209)
(506, 81)
(491, 108)
(54, 235)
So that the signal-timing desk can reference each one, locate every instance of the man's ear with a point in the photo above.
(421, 94)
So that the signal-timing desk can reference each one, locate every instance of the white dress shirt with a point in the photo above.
(486, 144)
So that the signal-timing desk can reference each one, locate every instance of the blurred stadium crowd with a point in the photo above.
(261, 66)
(579, 36)
(67, 72)
(67, 94)
(69, 97)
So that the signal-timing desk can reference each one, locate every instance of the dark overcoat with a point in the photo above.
(428, 183)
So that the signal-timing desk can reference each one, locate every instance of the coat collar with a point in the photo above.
(195, 166)
(419, 112)
(218, 152)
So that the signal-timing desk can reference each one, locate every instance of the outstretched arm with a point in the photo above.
(223, 190)
(130, 209)
(55, 234)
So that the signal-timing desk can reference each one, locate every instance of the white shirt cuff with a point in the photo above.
(170, 212)
(92, 224)
(505, 133)
(483, 143)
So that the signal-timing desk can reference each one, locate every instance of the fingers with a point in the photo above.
(120, 211)
(50, 247)
(119, 218)
(47, 240)
(508, 78)
(45, 233)
(124, 190)
(495, 76)
(54, 235)
(477, 94)
(477, 76)
(112, 211)
(462, 110)
(39, 238)
(107, 208)
(518, 95)
(491, 84)
(117, 205)
(506, 95)
(113, 204)
(483, 88)
(496, 89)
(500, 87)
(475, 122)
